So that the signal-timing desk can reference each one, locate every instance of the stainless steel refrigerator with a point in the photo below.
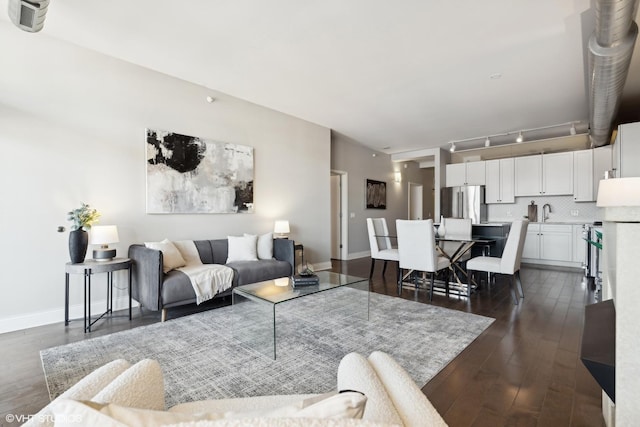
(464, 202)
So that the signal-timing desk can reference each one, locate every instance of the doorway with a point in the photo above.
(415, 200)
(339, 215)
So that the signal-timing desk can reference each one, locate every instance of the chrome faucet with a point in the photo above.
(545, 214)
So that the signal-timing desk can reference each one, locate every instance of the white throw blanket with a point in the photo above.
(208, 280)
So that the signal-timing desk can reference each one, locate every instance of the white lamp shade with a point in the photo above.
(281, 227)
(103, 235)
(619, 192)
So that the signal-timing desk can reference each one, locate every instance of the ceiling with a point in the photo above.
(394, 76)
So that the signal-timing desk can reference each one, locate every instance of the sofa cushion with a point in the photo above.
(140, 386)
(242, 248)
(171, 257)
(206, 251)
(338, 406)
(410, 402)
(176, 287)
(252, 271)
(355, 373)
(71, 413)
(84, 389)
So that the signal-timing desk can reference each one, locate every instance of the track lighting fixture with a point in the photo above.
(507, 137)
(519, 138)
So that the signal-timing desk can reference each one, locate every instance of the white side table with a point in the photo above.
(87, 269)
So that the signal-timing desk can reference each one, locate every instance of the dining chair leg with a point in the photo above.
(431, 287)
(399, 280)
(512, 285)
(519, 282)
(384, 268)
(373, 264)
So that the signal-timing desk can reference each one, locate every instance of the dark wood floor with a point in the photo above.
(524, 370)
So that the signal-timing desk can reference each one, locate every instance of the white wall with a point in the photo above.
(72, 125)
(360, 163)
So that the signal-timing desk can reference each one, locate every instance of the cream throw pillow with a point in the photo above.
(189, 252)
(264, 245)
(242, 248)
(171, 257)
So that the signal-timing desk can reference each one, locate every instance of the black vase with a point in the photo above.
(78, 243)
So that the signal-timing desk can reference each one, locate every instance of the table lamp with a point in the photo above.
(281, 229)
(103, 235)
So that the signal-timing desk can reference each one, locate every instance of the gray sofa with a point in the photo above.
(155, 290)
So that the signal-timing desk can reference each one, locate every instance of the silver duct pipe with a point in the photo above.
(610, 50)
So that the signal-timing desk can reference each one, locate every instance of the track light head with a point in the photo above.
(452, 149)
(487, 142)
(520, 138)
(572, 131)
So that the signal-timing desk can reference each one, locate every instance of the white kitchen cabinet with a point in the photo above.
(544, 174)
(531, 249)
(557, 174)
(470, 173)
(456, 174)
(602, 162)
(499, 181)
(583, 176)
(556, 242)
(528, 176)
(549, 242)
(626, 151)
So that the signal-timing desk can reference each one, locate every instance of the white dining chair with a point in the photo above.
(380, 244)
(509, 263)
(417, 249)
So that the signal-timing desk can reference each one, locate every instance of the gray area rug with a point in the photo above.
(200, 358)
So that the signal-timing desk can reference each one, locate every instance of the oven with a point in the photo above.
(592, 265)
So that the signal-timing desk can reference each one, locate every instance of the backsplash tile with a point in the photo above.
(561, 207)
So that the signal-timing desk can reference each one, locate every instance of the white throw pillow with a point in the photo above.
(264, 246)
(242, 248)
(189, 252)
(171, 257)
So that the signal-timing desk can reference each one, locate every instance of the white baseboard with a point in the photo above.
(48, 317)
(322, 266)
(357, 255)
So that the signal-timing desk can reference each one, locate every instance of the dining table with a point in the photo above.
(456, 267)
(455, 258)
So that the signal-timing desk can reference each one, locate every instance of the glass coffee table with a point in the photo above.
(254, 305)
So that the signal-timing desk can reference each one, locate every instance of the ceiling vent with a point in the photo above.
(610, 50)
(28, 15)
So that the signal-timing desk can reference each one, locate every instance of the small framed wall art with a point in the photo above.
(376, 194)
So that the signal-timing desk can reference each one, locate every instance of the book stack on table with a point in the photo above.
(305, 280)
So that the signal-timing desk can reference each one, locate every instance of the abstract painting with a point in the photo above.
(376, 194)
(187, 174)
